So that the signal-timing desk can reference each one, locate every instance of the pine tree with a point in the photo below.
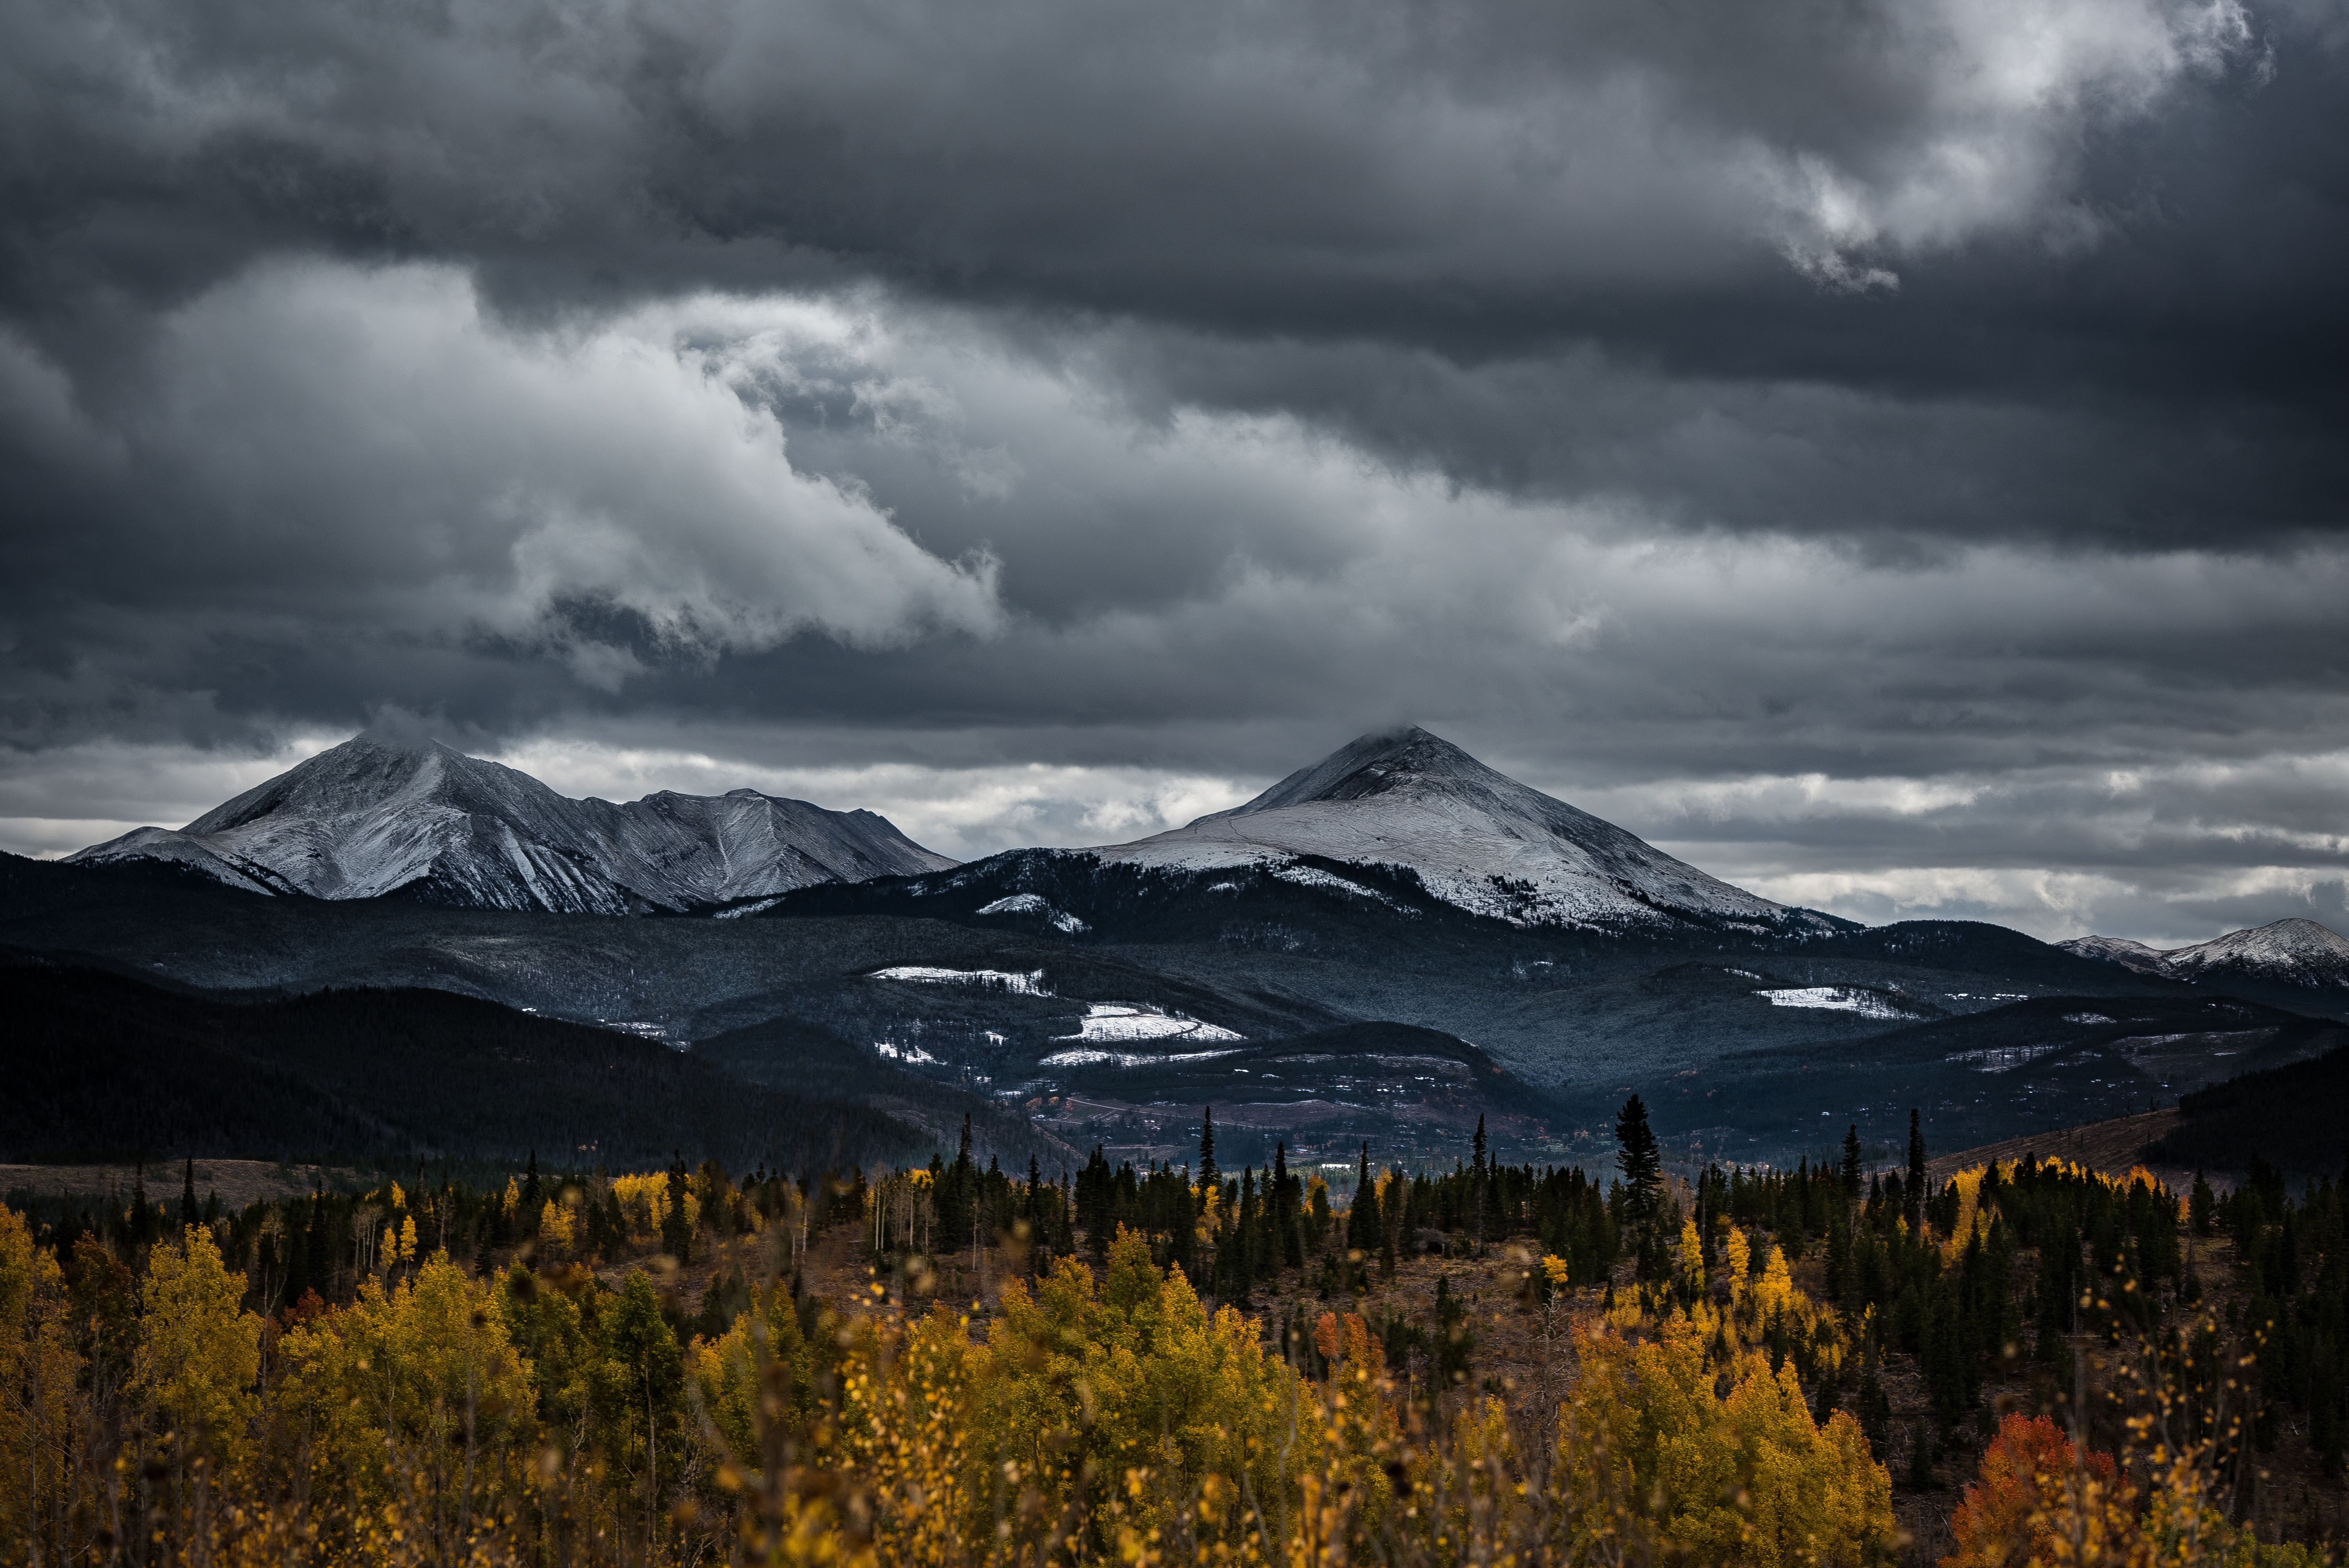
(1479, 1180)
(1285, 1227)
(1637, 1156)
(1921, 1459)
(188, 1211)
(1363, 1225)
(677, 1225)
(1211, 1179)
(1913, 1194)
(1851, 1163)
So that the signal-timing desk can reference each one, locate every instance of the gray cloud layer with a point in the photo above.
(1890, 453)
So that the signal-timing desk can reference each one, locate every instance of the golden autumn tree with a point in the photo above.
(420, 1383)
(39, 1401)
(199, 1354)
(1651, 1452)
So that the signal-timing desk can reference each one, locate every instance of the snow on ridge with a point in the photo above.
(1313, 876)
(1084, 1058)
(1835, 999)
(1116, 1021)
(1029, 985)
(755, 906)
(1030, 904)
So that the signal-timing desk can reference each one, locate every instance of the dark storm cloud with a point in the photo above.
(1670, 402)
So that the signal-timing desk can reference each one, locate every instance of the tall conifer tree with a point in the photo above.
(1914, 1192)
(1477, 1181)
(1363, 1225)
(1637, 1156)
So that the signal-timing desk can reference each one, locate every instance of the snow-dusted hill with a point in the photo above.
(1475, 837)
(375, 815)
(2119, 950)
(2289, 953)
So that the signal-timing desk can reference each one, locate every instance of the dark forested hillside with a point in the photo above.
(2290, 1117)
(100, 1063)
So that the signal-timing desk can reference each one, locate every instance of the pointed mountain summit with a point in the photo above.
(2294, 952)
(383, 815)
(1476, 838)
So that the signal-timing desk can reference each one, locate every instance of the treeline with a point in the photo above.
(1230, 1234)
(300, 1256)
(102, 1066)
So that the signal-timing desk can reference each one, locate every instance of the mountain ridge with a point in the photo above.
(377, 817)
(2294, 952)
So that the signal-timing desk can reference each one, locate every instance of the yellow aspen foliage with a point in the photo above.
(554, 1227)
(644, 1199)
(421, 1383)
(398, 1198)
(199, 1351)
(1774, 1291)
(1131, 1378)
(1651, 1455)
(1483, 1456)
(734, 1388)
(906, 1436)
(1741, 1257)
(38, 1370)
(1971, 1217)
(512, 1197)
(407, 1239)
(1556, 1269)
(1692, 1250)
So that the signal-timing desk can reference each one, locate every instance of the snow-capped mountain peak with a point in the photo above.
(2296, 951)
(1475, 837)
(379, 815)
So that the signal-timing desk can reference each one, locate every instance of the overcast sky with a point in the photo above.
(1891, 453)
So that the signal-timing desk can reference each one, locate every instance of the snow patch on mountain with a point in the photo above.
(1116, 1021)
(380, 815)
(1837, 999)
(1475, 837)
(1030, 903)
(1029, 985)
(1084, 1058)
(1314, 876)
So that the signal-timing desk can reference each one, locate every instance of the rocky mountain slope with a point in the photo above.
(2288, 953)
(1475, 838)
(377, 816)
